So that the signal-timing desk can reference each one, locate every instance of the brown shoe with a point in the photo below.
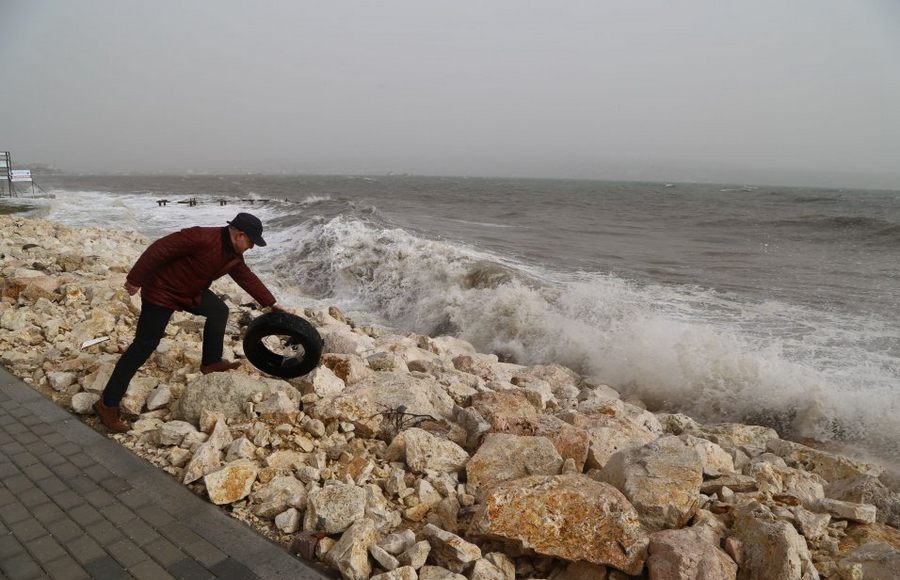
(218, 367)
(111, 417)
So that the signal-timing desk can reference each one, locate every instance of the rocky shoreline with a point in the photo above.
(408, 456)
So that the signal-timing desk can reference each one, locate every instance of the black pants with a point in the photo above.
(151, 327)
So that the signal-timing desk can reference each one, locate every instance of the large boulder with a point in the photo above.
(830, 466)
(570, 442)
(771, 549)
(608, 435)
(504, 457)
(350, 555)
(423, 451)
(565, 516)
(688, 554)
(661, 479)
(371, 403)
(225, 393)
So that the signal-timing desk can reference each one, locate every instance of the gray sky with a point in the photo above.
(803, 91)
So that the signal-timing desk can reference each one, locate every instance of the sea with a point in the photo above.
(768, 305)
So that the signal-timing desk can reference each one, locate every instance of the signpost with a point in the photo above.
(5, 164)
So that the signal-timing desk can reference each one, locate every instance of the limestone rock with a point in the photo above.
(174, 432)
(402, 573)
(661, 479)
(416, 555)
(845, 510)
(350, 555)
(771, 549)
(83, 403)
(334, 508)
(225, 393)
(570, 442)
(608, 435)
(688, 554)
(231, 483)
(438, 573)
(423, 451)
(364, 404)
(449, 550)
(136, 395)
(384, 559)
(874, 560)
(288, 521)
(868, 489)
(279, 494)
(565, 516)
(286, 459)
(159, 398)
(734, 435)
(321, 381)
(64, 382)
(278, 406)
(713, 457)
(503, 457)
(829, 465)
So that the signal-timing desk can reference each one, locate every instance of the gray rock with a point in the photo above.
(334, 508)
(225, 393)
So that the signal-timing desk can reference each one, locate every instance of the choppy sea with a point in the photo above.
(727, 302)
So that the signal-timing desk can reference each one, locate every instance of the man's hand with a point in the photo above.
(131, 288)
(277, 308)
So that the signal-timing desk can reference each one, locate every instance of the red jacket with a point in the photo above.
(177, 268)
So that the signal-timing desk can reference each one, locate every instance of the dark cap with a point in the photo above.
(250, 225)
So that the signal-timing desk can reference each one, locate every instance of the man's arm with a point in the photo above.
(158, 253)
(247, 280)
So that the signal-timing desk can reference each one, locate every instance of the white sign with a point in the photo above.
(20, 175)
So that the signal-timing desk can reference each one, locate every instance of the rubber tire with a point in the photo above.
(283, 324)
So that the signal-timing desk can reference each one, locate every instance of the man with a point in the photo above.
(174, 273)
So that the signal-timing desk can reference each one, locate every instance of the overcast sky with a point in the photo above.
(799, 91)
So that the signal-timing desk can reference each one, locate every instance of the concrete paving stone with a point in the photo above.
(23, 459)
(107, 569)
(97, 472)
(118, 514)
(76, 456)
(85, 515)
(164, 552)
(65, 568)
(149, 570)
(228, 569)
(47, 513)
(115, 485)
(126, 553)
(18, 483)
(104, 532)
(21, 567)
(154, 515)
(30, 420)
(42, 429)
(27, 530)
(52, 485)
(67, 499)
(55, 440)
(65, 530)
(45, 549)
(9, 546)
(205, 553)
(179, 534)
(37, 472)
(11, 448)
(27, 439)
(85, 549)
(139, 532)
(42, 450)
(100, 498)
(65, 470)
(134, 499)
(69, 448)
(188, 569)
(18, 412)
(8, 469)
(6, 496)
(82, 484)
(51, 458)
(33, 497)
(13, 512)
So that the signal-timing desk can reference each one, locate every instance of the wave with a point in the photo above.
(679, 348)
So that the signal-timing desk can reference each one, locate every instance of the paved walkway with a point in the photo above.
(74, 504)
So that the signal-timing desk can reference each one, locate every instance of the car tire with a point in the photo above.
(297, 331)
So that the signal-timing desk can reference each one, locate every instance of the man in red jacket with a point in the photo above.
(175, 273)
